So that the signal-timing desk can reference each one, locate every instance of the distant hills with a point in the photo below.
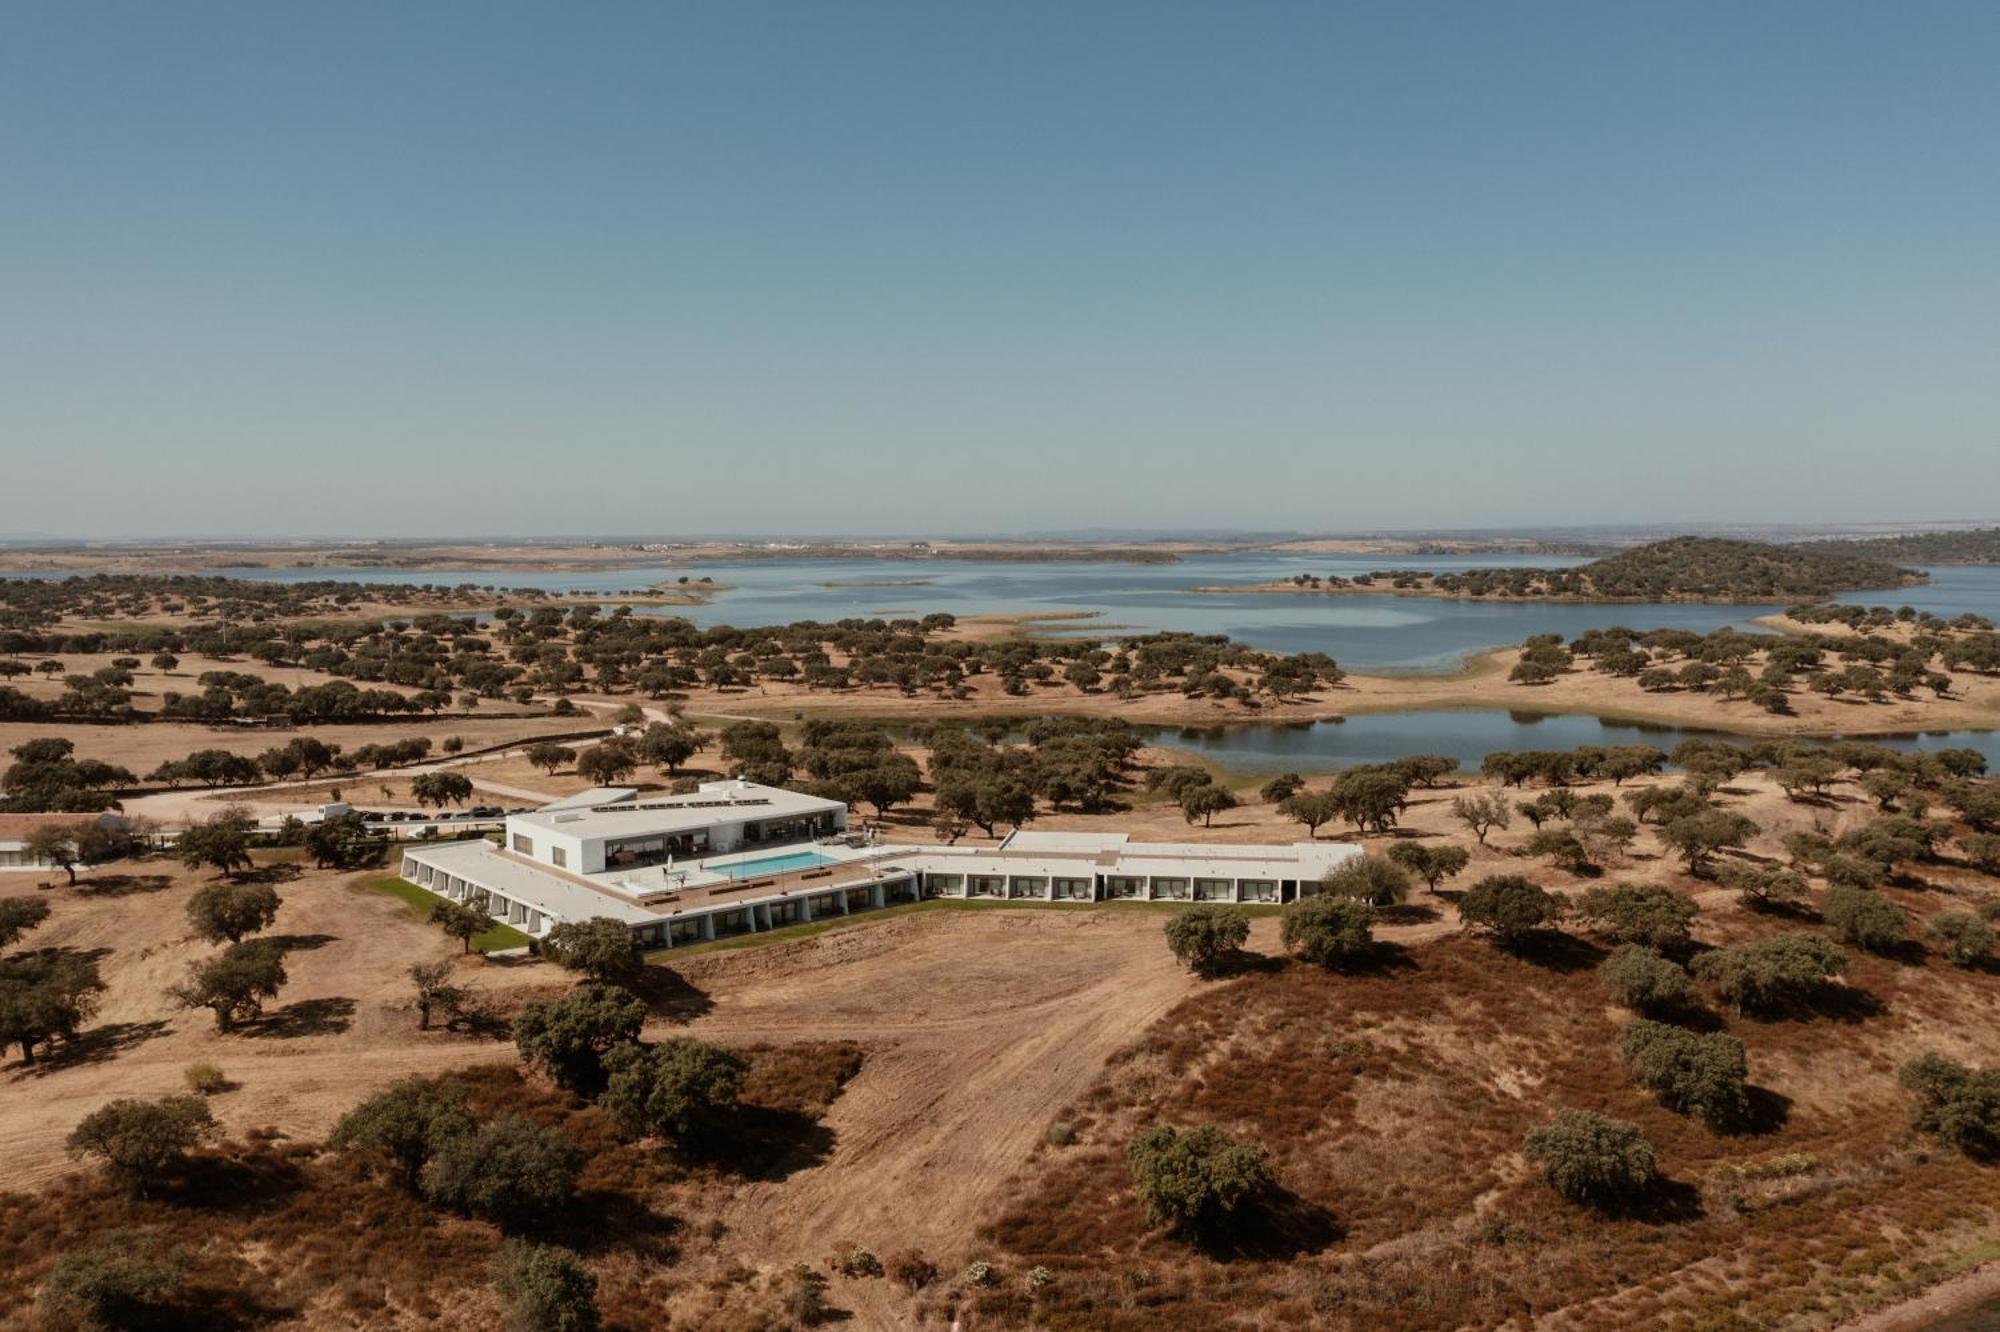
(1979, 545)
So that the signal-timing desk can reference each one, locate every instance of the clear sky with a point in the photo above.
(424, 268)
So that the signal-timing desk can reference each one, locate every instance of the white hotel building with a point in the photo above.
(736, 857)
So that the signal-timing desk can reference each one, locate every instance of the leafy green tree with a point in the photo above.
(1205, 938)
(545, 1289)
(1312, 808)
(441, 788)
(1659, 918)
(606, 763)
(1564, 849)
(139, 1141)
(1640, 978)
(45, 995)
(121, 1280)
(459, 921)
(1963, 937)
(1763, 887)
(569, 1035)
(1204, 802)
(222, 840)
(601, 948)
(548, 756)
(409, 1121)
(1699, 836)
(681, 1089)
(220, 911)
(235, 983)
(1592, 1158)
(509, 1171)
(1691, 1073)
(1370, 879)
(1482, 813)
(1431, 863)
(1509, 907)
(1197, 1182)
(18, 915)
(340, 842)
(1771, 974)
(1864, 918)
(1281, 787)
(437, 991)
(1957, 1104)
(1329, 931)
(56, 844)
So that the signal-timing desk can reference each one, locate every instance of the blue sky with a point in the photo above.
(441, 269)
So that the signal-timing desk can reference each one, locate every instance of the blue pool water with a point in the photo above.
(795, 860)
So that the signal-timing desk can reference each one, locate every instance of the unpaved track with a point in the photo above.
(978, 1028)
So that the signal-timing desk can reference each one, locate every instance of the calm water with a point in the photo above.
(1467, 735)
(1373, 632)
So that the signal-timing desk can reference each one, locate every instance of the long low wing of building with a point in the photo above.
(736, 857)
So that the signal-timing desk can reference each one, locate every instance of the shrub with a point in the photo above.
(1657, 918)
(141, 1140)
(205, 1079)
(1203, 938)
(979, 1274)
(1769, 975)
(1509, 907)
(1695, 1074)
(1864, 918)
(854, 1260)
(1592, 1158)
(1061, 1135)
(1982, 850)
(1040, 1277)
(1195, 1182)
(1369, 879)
(1329, 931)
(911, 1270)
(1562, 847)
(410, 1121)
(121, 1281)
(1954, 1103)
(681, 1089)
(805, 1296)
(1962, 935)
(1639, 978)
(545, 1289)
(509, 1171)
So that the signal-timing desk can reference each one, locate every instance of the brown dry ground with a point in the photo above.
(1393, 1104)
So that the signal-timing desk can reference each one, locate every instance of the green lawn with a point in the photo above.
(861, 918)
(495, 938)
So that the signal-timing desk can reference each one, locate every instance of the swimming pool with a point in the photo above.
(795, 860)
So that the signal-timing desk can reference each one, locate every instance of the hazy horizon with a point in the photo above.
(885, 269)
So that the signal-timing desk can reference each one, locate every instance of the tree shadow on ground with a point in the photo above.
(302, 943)
(604, 1221)
(669, 994)
(1382, 958)
(1281, 1227)
(283, 872)
(1668, 1202)
(123, 885)
(1240, 962)
(96, 1046)
(1558, 951)
(1767, 1112)
(245, 1184)
(1408, 913)
(767, 1144)
(1835, 1003)
(307, 1017)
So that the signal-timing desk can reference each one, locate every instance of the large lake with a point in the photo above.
(1466, 734)
(1372, 632)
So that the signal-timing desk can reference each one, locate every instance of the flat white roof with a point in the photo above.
(716, 802)
(596, 795)
(1066, 842)
(484, 864)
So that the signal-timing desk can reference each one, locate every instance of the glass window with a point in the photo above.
(557, 857)
(524, 845)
